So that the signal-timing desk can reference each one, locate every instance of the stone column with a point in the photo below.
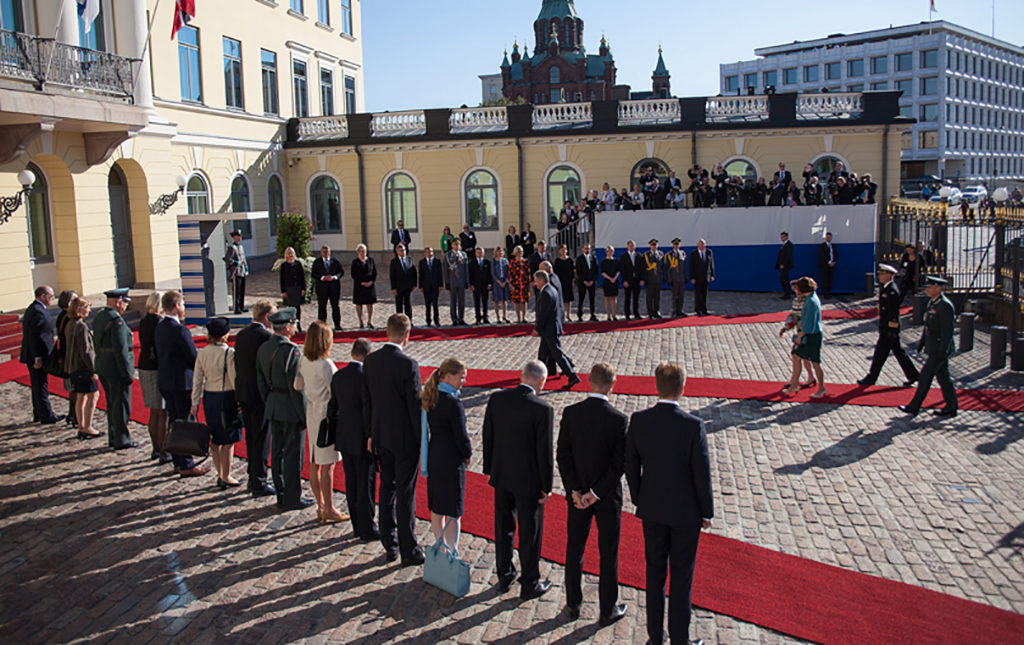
(137, 48)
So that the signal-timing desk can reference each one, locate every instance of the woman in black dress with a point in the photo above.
(447, 448)
(610, 281)
(293, 283)
(364, 291)
(529, 240)
(565, 269)
(512, 240)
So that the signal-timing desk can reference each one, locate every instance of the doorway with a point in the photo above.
(121, 226)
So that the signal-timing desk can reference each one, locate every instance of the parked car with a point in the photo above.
(954, 197)
(974, 193)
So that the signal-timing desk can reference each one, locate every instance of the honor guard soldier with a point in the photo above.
(889, 330)
(652, 279)
(277, 362)
(674, 266)
(937, 340)
(115, 365)
(238, 269)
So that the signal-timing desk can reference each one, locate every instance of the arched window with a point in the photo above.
(240, 204)
(482, 200)
(825, 165)
(197, 195)
(37, 207)
(325, 200)
(275, 201)
(554, 76)
(742, 168)
(640, 169)
(563, 186)
(400, 201)
(570, 33)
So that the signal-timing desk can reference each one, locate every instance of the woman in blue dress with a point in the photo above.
(807, 342)
(446, 450)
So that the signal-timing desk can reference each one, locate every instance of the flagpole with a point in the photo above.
(145, 45)
(49, 60)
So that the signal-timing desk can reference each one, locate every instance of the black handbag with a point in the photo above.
(81, 377)
(187, 437)
(325, 437)
(54, 363)
(231, 423)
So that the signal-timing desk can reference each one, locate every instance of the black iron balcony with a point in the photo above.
(50, 65)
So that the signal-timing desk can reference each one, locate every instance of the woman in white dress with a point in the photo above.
(314, 379)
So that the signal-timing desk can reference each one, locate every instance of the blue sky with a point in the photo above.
(423, 54)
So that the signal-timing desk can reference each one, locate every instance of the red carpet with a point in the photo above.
(789, 594)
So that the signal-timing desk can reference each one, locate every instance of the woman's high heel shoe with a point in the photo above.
(87, 435)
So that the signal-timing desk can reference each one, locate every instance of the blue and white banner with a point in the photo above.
(745, 241)
(87, 11)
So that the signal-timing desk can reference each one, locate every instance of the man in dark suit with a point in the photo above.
(326, 274)
(630, 268)
(669, 476)
(827, 264)
(247, 393)
(349, 407)
(400, 236)
(587, 271)
(548, 327)
(782, 176)
(468, 239)
(479, 284)
(784, 262)
(37, 336)
(702, 273)
(889, 331)
(517, 437)
(591, 454)
(402, 273)
(176, 357)
(431, 279)
(391, 381)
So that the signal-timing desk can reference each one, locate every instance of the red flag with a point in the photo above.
(184, 10)
(933, 6)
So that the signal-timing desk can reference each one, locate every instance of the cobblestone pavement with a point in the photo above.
(102, 546)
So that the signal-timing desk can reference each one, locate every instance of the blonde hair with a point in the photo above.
(428, 397)
(153, 301)
(76, 306)
(318, 341)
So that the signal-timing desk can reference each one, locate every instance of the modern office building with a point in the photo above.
(964, 89)
(106, 119)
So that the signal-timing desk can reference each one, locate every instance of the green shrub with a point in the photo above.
(294, 230)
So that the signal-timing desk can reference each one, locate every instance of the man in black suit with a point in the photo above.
(591, 454)
(326, 274)
(827, 264)
(784, 263)
(479, 284)
(431, 279)
(517, 437)
(782, 176)
(247, 393)
(889, 331)
(400, 236)
(349, 407)
(37, 335)
(669, 476)
(391, 381)
(468, 239)
(702, 273)
(548, 327)
(630, 268)
(402, 273)
(587, 270)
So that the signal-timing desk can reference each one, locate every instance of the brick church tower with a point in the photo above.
(660, 79)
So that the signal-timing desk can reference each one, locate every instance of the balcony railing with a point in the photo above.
(649, 112)
(323, 128)
(399, 124)
(725, 109)
(848, 105)
(562, 115)
(482, 119)
(49, 63)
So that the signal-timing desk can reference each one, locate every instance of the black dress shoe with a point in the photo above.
(573, 380)
(304, 502)
(56, 419)
(573, 612)
(391, 555)
(370, 537)
(906, 409)
(944, 413)
(165, 459)
(593, 319)
(865, 381)
(616, 613)
(910, 382)
(414, 560)
(130, 444)
(261, 490)
(536, 591)
(505, 582)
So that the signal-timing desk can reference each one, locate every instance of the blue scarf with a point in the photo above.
(425, 429)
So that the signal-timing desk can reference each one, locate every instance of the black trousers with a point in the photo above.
(827, 274)
(360, 488)
(784, 282)
(239, 293)
(669, 548)
(608, 514)
(480, 303)
(631, 295)
(332, 296)
(257, 447)
(653, 293)
(403, 303)
(430, 297)
(508, 509)
(178, 404)
(41, 410)
(286, 460)
(398, 493)
(581, 290)
(935, 366)
(700, 296)
(890, 343)
(550, 353)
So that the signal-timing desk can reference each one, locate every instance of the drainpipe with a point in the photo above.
(693, 147)
(362, 198)
(519, 162)
(884, 192)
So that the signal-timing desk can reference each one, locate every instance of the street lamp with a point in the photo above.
(1000, 195)
(945, 192)
(10, 204)
(163, 202)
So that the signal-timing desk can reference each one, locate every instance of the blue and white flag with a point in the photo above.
(87, 11)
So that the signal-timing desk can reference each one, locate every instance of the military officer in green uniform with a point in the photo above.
(937, 340)
(651, 279)
(889, 330)
(277, 362)
(115, 365)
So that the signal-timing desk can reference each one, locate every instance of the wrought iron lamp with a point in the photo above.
(10, 204)
(1000, 195)
(163, 202)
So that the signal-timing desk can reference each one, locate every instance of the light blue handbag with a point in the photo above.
(444, 569)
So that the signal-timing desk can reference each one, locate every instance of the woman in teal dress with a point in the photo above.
(807, 342)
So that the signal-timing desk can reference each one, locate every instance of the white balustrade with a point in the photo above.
(319, 128)
(480, 119)
(399, 124)
(561, 115)
(736, 108)
(838, 105)
(649, 112)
